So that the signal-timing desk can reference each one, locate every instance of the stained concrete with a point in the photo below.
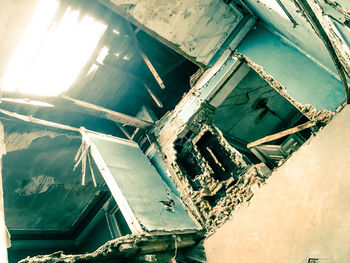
(302, 212)
(195, 28)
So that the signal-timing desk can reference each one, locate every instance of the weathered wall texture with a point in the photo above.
(336, 34)
(196, 28)
(302, 34)
(302, 212)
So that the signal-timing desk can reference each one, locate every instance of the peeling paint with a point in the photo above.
(36, 185)
(340, 8)
(16, 141)
(162, 18)
(339, 45)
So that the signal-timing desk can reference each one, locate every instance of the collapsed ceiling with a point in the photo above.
(216, 94)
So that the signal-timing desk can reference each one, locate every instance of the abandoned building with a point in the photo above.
(184, 131)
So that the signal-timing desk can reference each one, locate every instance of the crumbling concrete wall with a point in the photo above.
(302, 212)
(194, 28)
(212, 176)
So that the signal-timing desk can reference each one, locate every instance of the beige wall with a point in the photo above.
(303, 210)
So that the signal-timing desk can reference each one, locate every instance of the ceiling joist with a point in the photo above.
(82, 106)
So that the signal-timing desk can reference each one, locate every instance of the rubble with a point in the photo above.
(130, 248)
(213, 177)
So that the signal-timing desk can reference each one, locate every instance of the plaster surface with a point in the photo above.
(302, 212)
(193, 27)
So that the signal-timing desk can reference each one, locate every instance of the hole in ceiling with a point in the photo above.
(52, 52)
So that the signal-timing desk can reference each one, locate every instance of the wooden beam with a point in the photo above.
(81, 106)
(281, 134)
(154, 97)
(126, 133)
(55, 125)
(39, 121)
(145, 58)
(109, 114)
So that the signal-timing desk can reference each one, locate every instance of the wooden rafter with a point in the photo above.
(144, 57)
(281, 134)
(85, 107)
(108, 114)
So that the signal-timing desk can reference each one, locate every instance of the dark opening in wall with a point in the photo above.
(187, 162)
(214, 199)
(120, 223)
(253, 110)
(217, 157)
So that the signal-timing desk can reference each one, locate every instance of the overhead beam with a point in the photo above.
(281, 134)
(144, 57)
(81, 106)
(108, 114)
(153, 96)
(39, 121)
(51, 124)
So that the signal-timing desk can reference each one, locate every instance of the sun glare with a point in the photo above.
(50, 58)
(275, 6)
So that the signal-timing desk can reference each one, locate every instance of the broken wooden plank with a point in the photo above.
(39, 121)
(82, 106)
(281, 134)
(51, 124)
(154, 97)
(109, 114)
(145, 58)
(126, 133)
